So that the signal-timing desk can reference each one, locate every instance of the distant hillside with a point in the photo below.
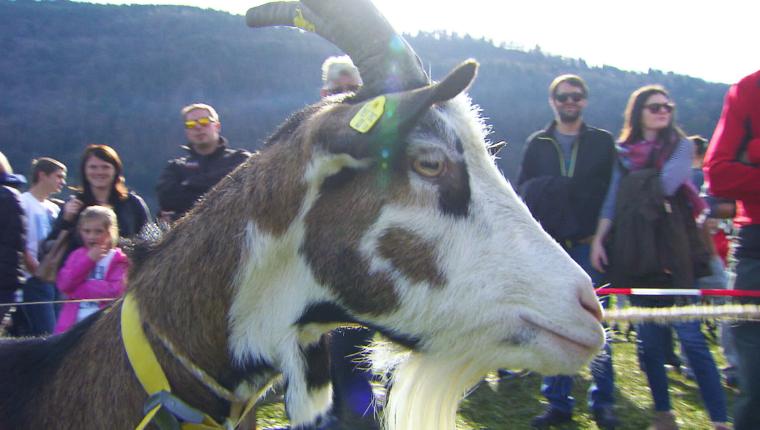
(74, 73)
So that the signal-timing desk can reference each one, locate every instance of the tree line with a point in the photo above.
(76, 73)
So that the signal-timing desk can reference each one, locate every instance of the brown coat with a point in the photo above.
(655, 242)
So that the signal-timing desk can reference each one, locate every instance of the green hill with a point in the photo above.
(75, 73)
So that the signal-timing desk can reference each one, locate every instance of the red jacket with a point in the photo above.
(729, 175)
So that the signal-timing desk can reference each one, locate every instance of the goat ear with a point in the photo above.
(375, 127)
(456, 81)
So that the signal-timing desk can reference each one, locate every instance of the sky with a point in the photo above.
(713, 40)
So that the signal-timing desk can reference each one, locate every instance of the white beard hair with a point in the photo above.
(426, 388)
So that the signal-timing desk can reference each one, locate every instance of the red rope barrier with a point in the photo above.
(676, 292)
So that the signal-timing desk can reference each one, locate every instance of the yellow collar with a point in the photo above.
(152, 377)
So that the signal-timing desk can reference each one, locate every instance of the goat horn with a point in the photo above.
(385, 60)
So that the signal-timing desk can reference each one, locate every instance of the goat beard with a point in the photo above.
(426, 389)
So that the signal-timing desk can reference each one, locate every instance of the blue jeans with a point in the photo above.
(557, 389)
(352, 390)
(719, 280)
(747, 343)
(41, 317)
(653, 344)
(6, 296)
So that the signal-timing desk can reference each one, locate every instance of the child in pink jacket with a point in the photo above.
(96, 270)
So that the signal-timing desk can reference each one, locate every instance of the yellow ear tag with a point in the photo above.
(303, 23)
(368, 115)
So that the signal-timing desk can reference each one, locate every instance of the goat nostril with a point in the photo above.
(592, 307)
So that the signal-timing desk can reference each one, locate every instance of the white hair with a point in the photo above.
(195, 106)
(335, 66)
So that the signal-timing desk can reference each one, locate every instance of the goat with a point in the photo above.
(382, 208)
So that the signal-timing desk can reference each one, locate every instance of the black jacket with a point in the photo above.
(566, 204)
(11, 238)
(186, 179)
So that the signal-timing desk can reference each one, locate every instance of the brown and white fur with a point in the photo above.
(323, 227)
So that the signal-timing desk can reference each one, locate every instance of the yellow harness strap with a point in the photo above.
(152, 377)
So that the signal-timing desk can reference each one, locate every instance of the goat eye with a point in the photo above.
(427, 168)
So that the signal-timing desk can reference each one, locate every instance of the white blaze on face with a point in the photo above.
(510, 287)
(512, 298)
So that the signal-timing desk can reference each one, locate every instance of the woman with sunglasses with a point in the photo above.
(649, 214)
(101, 172)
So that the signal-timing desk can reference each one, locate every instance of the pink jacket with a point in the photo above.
(72, 281)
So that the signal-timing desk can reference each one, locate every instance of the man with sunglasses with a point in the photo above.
(563, 179)
(209, 159)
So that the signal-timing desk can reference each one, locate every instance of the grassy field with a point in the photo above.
(511, 403)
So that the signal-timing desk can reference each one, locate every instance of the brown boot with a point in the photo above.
(664, 421)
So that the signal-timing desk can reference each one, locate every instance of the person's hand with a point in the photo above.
(711, 225)
(96, 252)
(30, 262)
(72, 208)
(598, 256)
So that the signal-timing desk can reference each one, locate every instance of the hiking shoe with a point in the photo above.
(729, 375)
(605, 418)
(551, 417)
(664, 421)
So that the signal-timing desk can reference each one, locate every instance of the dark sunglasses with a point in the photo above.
(192, 123)
(658, 107)
(562, 98)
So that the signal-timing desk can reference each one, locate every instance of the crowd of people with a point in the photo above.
(650, 209)
(71, 250)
